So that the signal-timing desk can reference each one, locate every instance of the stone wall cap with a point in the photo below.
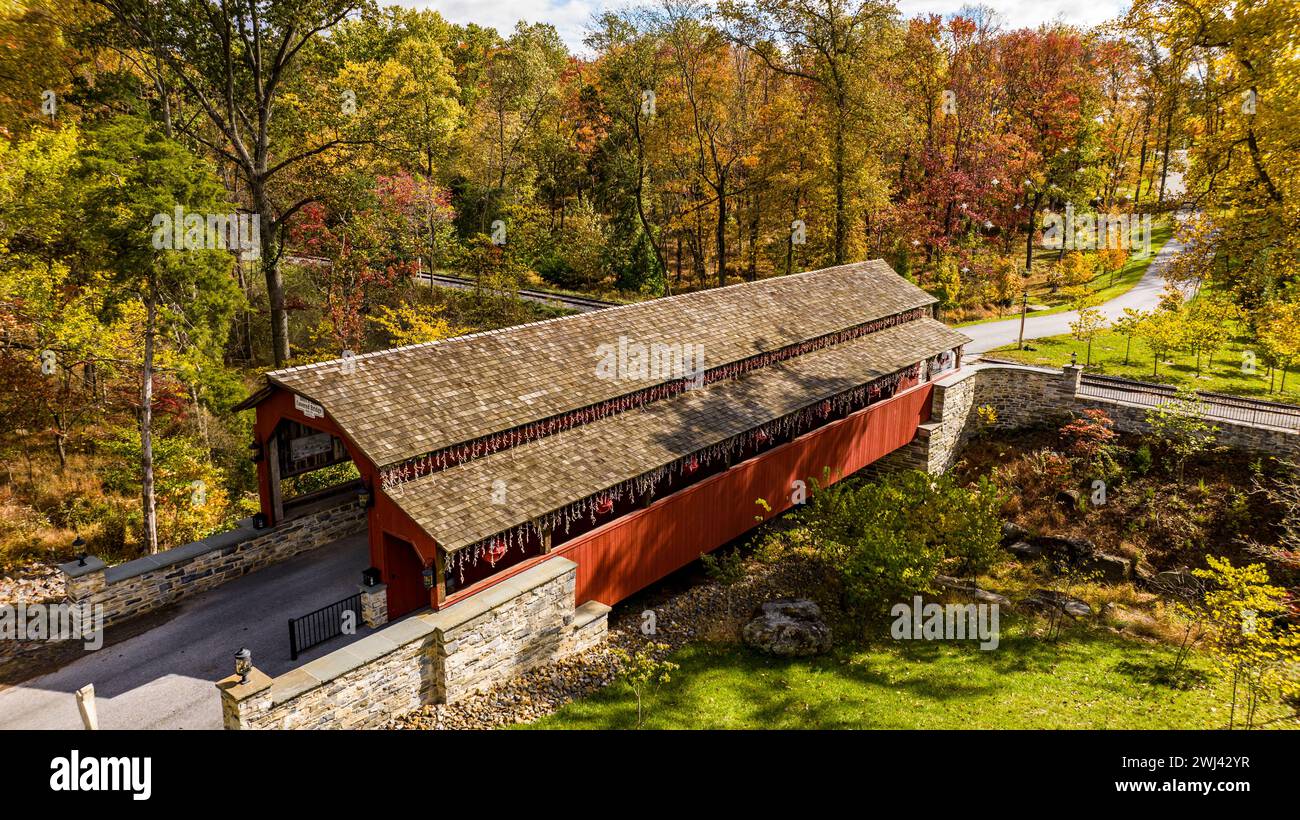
(258, 681)
(406, 630)
(983, 365)
(130, 569)
(74, 569)
(960, 375)
(372, 647)
(292, 684)
(589, 612)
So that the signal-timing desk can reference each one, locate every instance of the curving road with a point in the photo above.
(1143, 296)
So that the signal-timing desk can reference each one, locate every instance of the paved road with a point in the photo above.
(580, 304)
(1143, 296)
(163, 678)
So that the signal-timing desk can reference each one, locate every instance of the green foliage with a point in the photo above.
(1249, 643)
(1180, 429)
(644, 672)
(889, 539)
(725, 568)
(192, 499)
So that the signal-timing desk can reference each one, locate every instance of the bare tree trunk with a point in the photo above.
(146, 423)
(270, 259)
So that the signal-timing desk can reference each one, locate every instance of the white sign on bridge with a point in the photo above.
(310, 409)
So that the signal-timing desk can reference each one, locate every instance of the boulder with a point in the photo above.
(1072, 550)
(1177, 583)
(1068, 499)
(1013, 532)
(1025, 551)
(966, 588)
(1110, 568)
(1049, 599)
(788, 628)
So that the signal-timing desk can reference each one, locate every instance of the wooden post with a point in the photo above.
(86, 705)
(273, 470)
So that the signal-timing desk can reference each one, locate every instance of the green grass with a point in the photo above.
(1092, 680)
(1223, 375)
(1102, 285)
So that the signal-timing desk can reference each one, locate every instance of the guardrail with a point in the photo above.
(1215, 405)
(317, 627)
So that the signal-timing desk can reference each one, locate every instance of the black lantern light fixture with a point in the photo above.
(79, 544)
(243, 664)
(430, 577)
(1074, 359)
(365, 497)
(256, 448)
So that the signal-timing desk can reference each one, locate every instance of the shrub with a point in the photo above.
(889, 539)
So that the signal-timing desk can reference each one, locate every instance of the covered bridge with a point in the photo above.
(630, 440)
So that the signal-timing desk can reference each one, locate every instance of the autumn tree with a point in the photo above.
(231, 64)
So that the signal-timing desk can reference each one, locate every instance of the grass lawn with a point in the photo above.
(1225, 375)
(1103, 286)
(1092, 680)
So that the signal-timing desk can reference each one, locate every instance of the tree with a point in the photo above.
(1090, 321)
(133, 175)
(888, 539)
(1128, 324)
(1162, 330)
(632, 65)
(827, 45)
(1278, 331)
(1242, 611)
(1111, 260)
(1205, 329)
(233, 61)
(363, 249)
(644, 672)
(1179, 426)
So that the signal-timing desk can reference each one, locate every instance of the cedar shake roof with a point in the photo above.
(409, 401)
(455, 505)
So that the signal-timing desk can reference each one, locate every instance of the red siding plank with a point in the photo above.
(633, 552)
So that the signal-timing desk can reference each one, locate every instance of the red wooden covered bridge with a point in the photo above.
(630, 440)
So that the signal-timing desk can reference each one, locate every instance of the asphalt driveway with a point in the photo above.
(163, 678)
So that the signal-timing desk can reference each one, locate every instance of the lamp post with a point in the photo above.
(1024, 310)
(79, 544)
(243, 664)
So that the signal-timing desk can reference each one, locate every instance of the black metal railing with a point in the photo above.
(1213, 405)
(315, 628)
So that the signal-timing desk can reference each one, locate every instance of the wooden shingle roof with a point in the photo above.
(402, 403)
(456, 506)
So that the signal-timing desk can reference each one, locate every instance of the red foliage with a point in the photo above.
(1085, 437)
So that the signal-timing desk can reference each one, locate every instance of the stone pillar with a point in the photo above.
(374, 605)
(243, 705)
(82, 582)
(1070, 376)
